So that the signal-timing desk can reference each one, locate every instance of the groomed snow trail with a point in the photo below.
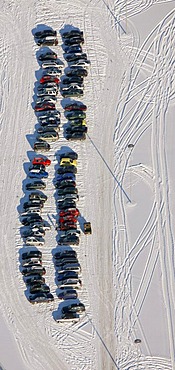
(143, 235)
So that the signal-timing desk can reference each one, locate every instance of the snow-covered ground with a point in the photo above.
(125, 180)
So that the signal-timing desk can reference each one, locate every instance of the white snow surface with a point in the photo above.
(125, 180)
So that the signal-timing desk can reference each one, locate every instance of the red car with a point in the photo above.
(72, 212)
(44, 106)
(41, 160)
(75, 106)
(67, 226)
(49, 78)
(67, 218)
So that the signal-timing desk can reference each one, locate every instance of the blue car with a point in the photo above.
(65, 176)
(38, 175)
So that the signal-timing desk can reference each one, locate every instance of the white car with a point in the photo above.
(72, 85)
(46, 99)
(31, 240)
(67, 317)
(80, 63)
(51, 71)
(31, 210)
(51, 63)
(31, 261)
(47, 91)
(42, 224)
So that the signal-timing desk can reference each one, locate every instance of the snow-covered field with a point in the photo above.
(125, 180)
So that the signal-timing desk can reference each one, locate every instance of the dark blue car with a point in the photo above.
(38, 175)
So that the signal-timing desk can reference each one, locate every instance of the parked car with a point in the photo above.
(44, 106)
(75, 56)
(75, 106)
(31, 254)
(40, 297)
(64, 261)
(47, 41)
(30, 232)
(73, 317)
(71, 267)
(31, 262)
(72, 33)
(41, 146)
(67, 275)
(72, 92)
(40, 223)
(47, 91)
(55, 114)
(40, 175)
(74, 79)
(46, 99)
(74, 307)
(76, 136)
(75, 114)
(70, 283)
(68, 162)
(80, 128)
(30, 240)
(52, 71)
(52, 63)
(50, 121)
(34, 279)
(76, 122)
(80, 63)
(47, 55)
(64, 183)
(48, 128)
(33, 270)
(65, 176)
(39, 288)
(36, 195)
(73, 212)
(69, 240)
(31, 219)
(74, 40)
(68, 294)
(65, 253)
(75, 48)
(67, 196)
(45, 33)
(69, 154)
(37, 167)
(67, 204)
(82, 72)
(38, 184)
(48, 136)
(67, 169)
(41, 160)
(67, 226)
(71, 86)
(67, 190)
(48, 78)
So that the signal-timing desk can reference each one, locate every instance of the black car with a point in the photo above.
(72, 92)
(31, 204)
(33, 270)
(68, 294)
(79, 128)
(64, 183)
(69, 240)
(65, 254)
(74, 79)
(31, 219)
(67, 190)
(72, 33)
(75, 56)
(40, 297)
(74, 40)
(39, 288)
(45, 33)
(74, 307)
(82, 72)
(31, 254)
(65, 169)
(60, 263)
(51, 121)
(72, 155)
(42, 146)
(33, 279)
(67, 204)
(47, 56)
(69, 317)
(75, 48)
(76, 105)
(76, 136)
(67, 275)
(75, 114)
(38, 184)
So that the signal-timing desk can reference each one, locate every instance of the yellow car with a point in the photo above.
(68, 162)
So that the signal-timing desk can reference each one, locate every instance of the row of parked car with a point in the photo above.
(72, 85)
(33, 232)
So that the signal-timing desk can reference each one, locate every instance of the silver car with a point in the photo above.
(48, 136)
